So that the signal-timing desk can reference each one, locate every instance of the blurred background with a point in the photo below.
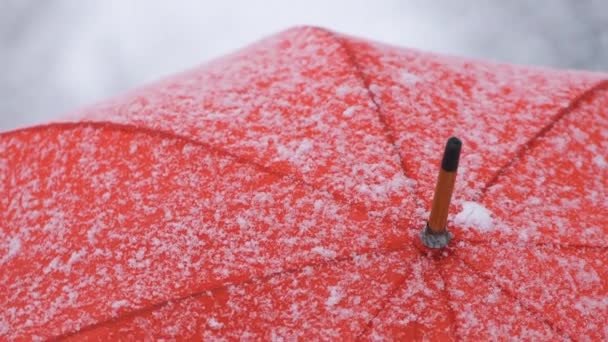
(57, 55)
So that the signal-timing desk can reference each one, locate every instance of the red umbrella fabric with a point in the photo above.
(279, 192)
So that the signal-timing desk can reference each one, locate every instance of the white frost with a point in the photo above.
(327, 253)
(119, 304)
(474, 215)
(409, 78)
(335, 296)
(295, 151)
(343, 90)
(75, 257)
(214, 324)
(600, 161)
(243, 223)
(14, 246)
(589, 305)
(348, 112)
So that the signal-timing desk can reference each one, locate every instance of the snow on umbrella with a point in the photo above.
(280, 192)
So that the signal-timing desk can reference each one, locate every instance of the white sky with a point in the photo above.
(70, 53)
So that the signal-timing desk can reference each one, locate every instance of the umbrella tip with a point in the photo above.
(435, 233)
(451, 155)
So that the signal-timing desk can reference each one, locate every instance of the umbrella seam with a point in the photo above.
(538, 315)
(587, 95)
(381, 309)
(507, 243)
(246, 280)
(358, 73)
(389, 135)
(131, 129)
(448, 301)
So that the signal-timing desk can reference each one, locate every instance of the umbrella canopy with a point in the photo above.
(279, 192)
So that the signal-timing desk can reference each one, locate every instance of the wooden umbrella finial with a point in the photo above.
(435, 233)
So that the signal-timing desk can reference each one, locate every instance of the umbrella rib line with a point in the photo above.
(358, 73)
(246, 280)
(585, 96)
(381, 309)
(129, 128)
(389, 131)
(448, 300)
(507, 243)
(538, 315)
(394, 292)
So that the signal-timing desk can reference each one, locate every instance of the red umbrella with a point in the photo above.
(280, 192)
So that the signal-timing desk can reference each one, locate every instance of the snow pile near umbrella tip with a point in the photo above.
(474, 215)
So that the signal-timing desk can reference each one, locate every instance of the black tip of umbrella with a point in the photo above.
(451, 155)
